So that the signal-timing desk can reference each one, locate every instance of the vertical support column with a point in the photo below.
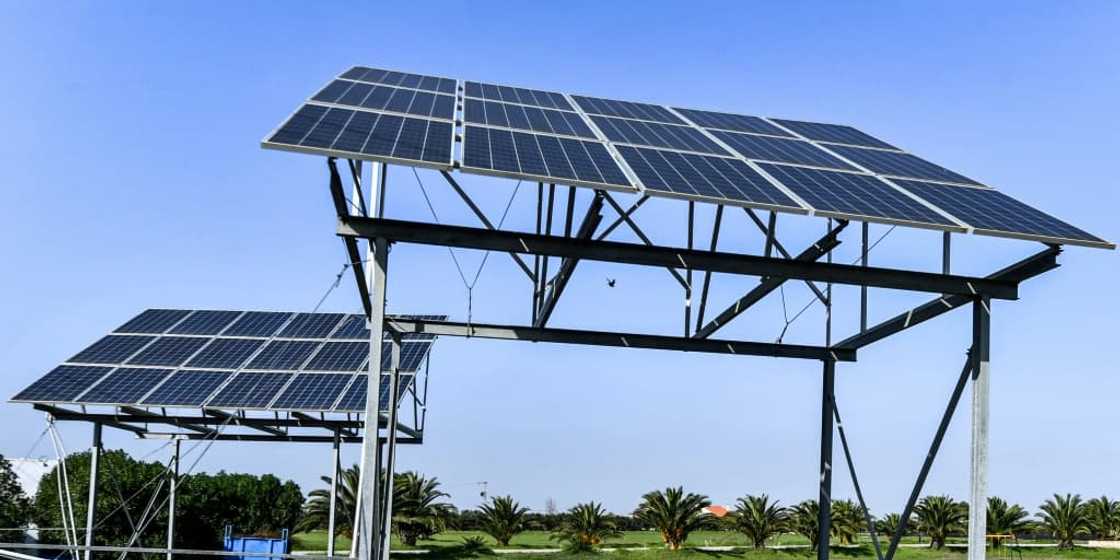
(174, 486)
(91, 506)
(391, 444)
(688, 272)
(946, 252)
(824, 516)
(863, 289)
(978, 496)
(334, 495)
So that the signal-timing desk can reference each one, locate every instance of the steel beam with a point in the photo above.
(978, 475)
(174, 486)
(768, 285)
(627, 340)
(334, 494)
(855, 480)
(773, 243)
(621, 218)
(671, 257)
(707, 273)
(1025, 269)
(625, 217)
(391, 447)
(145, 414)
(342, 209)
(234, 419)
(824, 501)
(591, 221)
(369, 524)
(91, 505)
(485, 221)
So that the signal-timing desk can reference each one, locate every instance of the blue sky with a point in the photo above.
(133, 178)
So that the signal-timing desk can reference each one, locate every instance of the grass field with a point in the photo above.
(448, 545)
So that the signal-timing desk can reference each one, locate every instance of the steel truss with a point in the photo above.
(587, 241)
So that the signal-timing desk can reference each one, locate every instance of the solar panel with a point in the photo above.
(853, 195)
(124, 386)
(540, 157)
(153, 321)
(284, 354)
(731, 121)
(626, 109)
(225, 353)
(998, 214)
(535, 97)
(112, 349)
(413, 353)
(402, 79)
(250, 389)
(339, 356)
(312, 391)
(63, 384)
(658, 135)
(366, 134)
(168, 351)
(354, 400)
(782, 150)
(717, 179)
(899, 164)
(205, 321)
(353, 327)
(186, 388)
(258, 323)
(524, 117)
(388, 98)
(311, 325)
(837, 133)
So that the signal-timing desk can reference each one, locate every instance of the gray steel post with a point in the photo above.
(824, 516)
(863, 289)
(946, 252)
(334, 495)
(91, 506)
(978, 496)
(391, 444)
(171, 502)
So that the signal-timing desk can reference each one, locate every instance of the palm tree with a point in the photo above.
(673, 513)
(585, 526)
(503, 518)
(1005, 519)
(759, 518)
(888, 524)
(1065, 517)
(846, 521)
(804, 520)
(416, 512)
(316, 512)
(1104, 514)
(939, 517)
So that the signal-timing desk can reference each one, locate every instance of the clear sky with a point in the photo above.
(132, 178)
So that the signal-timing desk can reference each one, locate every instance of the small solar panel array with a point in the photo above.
(725, 158)
(267, 360)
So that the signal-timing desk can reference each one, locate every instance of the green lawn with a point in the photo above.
(448, 545)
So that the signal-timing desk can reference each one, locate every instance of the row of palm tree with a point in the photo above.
(419, 512)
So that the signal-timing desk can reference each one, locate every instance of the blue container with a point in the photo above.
(259, 545)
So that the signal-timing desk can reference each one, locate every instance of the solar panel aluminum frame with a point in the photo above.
(266, 144)
(458, 83)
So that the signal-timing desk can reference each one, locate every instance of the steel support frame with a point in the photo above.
(91, 504)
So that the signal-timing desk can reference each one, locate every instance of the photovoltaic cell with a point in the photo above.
(412, 355)
(205, 322)
(354, 327)
(312, 391)
(258, 323)
(225, 353)
(403, 79)
(360, 133)
(834, 133)
(730, 121)
(626, 109)
(311, 325)
(851, 195)
(522, 117)
(783, 150)
(538, 156)
(899, 164)
(62, 384)
(125, 386)
(539, 98)
(112, 349)
(153, 321)
(355, 398)
(692, 175)
(991, 210)
(339, 356)
(284, 354)
(168, 351)
(186, 388)
(641, 133)
(387, 98)
(250, 389)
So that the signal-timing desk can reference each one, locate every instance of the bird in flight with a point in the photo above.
(610, 282)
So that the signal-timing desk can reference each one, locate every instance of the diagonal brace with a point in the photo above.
(855, 480)
(568, 265)
(485, 221)
(771, 283)
(641, 235)
(773, 243)
(352, 253)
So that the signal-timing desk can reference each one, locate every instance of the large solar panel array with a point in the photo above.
(242, 360)
(726, 158)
